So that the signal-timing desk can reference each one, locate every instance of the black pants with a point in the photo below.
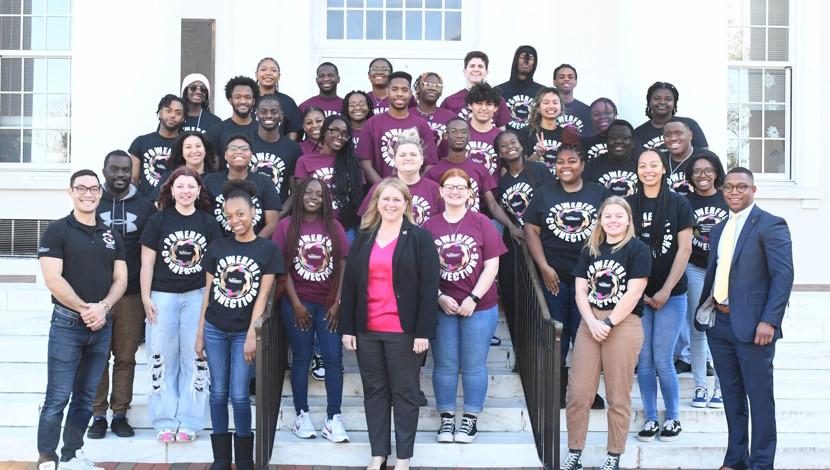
(390, 373)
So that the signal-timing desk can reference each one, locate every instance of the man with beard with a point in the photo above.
(575, 112)
(520, 89)
(617, 168)
(327, 79)
(242, 93)
(151, 151)
(125, 211)
(273, 155)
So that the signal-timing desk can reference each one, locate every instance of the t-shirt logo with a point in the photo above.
(596, 150)
(154, 164)
(606, 283)
(421, 210)
(329, 112)
(236, 282)
(564, 120)
(219, 212)
(355, 140)
(108, 239)
(706, 218)
(439, 130)
(270, 165)
(313, 260)
(379, 110)
(326, 175)
(667, 235)
(654, 143)
(551, 148)
(458, 255)
(519, 110)
(182, 252)
(571, 221)
(516, 199)
(620, 182)
(678, 183)
(484, 153)
(388, 142)
(127, 223)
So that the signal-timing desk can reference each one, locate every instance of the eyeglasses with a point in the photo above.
(705, 171)
(382, 68)
(195, 88)
(94, 190)
(238, 148)
(459, 188)
(432, 86)
(358, 105)
(741, 188)
(338, 133)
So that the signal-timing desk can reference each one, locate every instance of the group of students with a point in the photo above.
(388, 215)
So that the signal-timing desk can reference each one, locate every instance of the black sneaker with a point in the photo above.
(468, 430)
(598, 404)
(612, 462)
(446, 432)
(98, 429)
(648, 431)
(121, 427)
(671, 430)
(318, 371)
(495, 341)
(572, 462)
(710, 371)
(681, 366)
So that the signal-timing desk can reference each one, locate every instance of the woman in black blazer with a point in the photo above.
(388, 315)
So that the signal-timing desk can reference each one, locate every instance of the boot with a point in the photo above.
(563, 387)
(243, 448)
(221, 444)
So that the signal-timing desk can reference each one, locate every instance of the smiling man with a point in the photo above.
(273, 155)
(576, 113)
(475, 72)
(242, 93)
(327, 79)
(151, 151)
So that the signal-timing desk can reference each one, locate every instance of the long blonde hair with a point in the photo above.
(598, 235)
(371, 219)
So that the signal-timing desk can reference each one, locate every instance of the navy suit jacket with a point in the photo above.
(761, 276)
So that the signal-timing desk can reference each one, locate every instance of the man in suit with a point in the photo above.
(750, 276)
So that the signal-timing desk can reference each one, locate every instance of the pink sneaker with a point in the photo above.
(186, 435)
(167, 435)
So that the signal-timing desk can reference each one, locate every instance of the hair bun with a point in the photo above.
(570, 136)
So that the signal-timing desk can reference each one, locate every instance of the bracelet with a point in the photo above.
(106, 306)
(475, 298)
(608, 322)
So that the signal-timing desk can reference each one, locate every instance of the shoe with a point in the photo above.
(701, 398)
(303, 427)
(671, 430)
(468, 429)
(716, 401)
(166, 435)
(121, 428)
(243, 452)
(252, 387)
(334, 430)
(446, 433)
(98, 429)
(710, 371)
(682, 366)
(598, 404)
(318, 371)
(79, 462)
(382, 465)
(495, 341)
(186, 435)
(572, 462)
(612, 462)
(221, 444)
(648, 431)
(48, 465)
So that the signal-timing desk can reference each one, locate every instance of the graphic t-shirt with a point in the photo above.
(480, 179)
(381, 105)
(266, 199)
(463, 247)
(567, 220)
(426, 200)
(679, 174)
(292, 121)
(651, 137)
(318, 166)
(481, 149)
(594, 146)
(707, 211)
(457, 104)
(438, 123)
(619, 177)
(380, 135)
(201, 122)
(678, 216)
(578, 115)
(237, 269)
(519, 97)
(275, 160)
(313, 267)
(552, 141)
(356, 133)
(220, 134)
(180, 242)
(608, 274)
(153, 150)
(516, 192)
(330, 106)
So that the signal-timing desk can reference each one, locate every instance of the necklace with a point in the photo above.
(672, 168)
(458, 224)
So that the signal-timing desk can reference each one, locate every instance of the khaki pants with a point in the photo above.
(617, 356)
(127, 325)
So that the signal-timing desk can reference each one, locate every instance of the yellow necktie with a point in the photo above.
(727, 240)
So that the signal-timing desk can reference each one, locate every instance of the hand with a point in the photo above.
(550, 278)
(467, 307)
(599, 330)
(150, 310)
(764, 333)
(94, 315)
(517, 233)
(659, 299)
(249, 349)
(647, 300)
(332, 316)
(302, 319)
(200, 345)
(448, 305)
(349, 342)
(420, 345)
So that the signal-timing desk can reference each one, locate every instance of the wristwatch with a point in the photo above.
(475, 298)
(607, 321)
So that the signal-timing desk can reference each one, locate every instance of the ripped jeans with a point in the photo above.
(178, 394)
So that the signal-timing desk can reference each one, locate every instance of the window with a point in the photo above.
(759, 96)
(35, 87)
(198, 51)
(409, 20)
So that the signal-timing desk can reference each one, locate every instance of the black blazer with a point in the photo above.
(415, 277)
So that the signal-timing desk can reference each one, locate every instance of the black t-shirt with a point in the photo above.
(578, 115)
(677, 217)
(594, 146)
(516, 192)
(88, 253)
(552, 141)
(708, 211)
(608, 274)
(153, 151)
(292, 120)
(222, 132)
(651, 137)
(201, 123)
(678, 174)
(266, 198)
(519, 95)
(276, 161)
(619, 177)
(237, 269)
(180, 242)
(567, 220)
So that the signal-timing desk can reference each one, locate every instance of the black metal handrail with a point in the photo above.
(271, 364)
(536, 341)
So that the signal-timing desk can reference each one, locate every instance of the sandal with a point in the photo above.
(186, 435)
(166, 435)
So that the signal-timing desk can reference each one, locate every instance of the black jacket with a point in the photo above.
(415, 272)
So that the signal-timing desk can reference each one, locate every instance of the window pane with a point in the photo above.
(335, 3)
(414, 3)
(413, 25)
(393, 25)
(737, 45)
(34, 111)
(452, 26)
(10, 74)
(756, 121)
(57, 111)
(50, 146)
(754, 85)
(354, 3)
(774, 156)
(58, 76)
(394, 3)
(778, 48)
(38, 7)
(10, 145)
(9, 7)
(354, 24)
(10, 32)
(755, 156)
(757, 43)
(57, 7)
(452, 4)
(779, 13)
(57, 34)
(774, 86)
(758, 12)
(38, 75)
(34, 33)
(374, 3)
(434, 4)
(433, 26)
(10, 109)
(374, 25)
(334, 24)
(733, 122)
(736, 76)
(775, 122)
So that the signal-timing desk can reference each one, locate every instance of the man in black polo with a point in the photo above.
(126, 211)
(83, 266)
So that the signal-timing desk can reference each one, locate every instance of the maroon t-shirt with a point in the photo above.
(463, 248)
(481, 181)
(356, 133)
(456, 103)
(313, 267)
(438, 123)
(319, 166)
(307, 146)
(380, 135)
(426, 200)
(331, 106)
(381, 105)
(481, 149)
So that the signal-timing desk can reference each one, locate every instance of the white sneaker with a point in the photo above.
(303, 427)
(48, 465)
(334, 430)
(80, 462)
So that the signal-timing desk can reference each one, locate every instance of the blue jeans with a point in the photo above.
(462, 342)
(302, 346)
(76, 360)
(178, 394)
(698, 348)
(660, 331)
(229, 377)
(563, 309)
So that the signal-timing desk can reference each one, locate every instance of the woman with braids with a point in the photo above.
(315, 247)
(337, 167)
(661, 105)
(240, 271)
(428, 88)
(357, 106)
(543, 136)
(268, 79)
(663, 220)
(313, 118)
